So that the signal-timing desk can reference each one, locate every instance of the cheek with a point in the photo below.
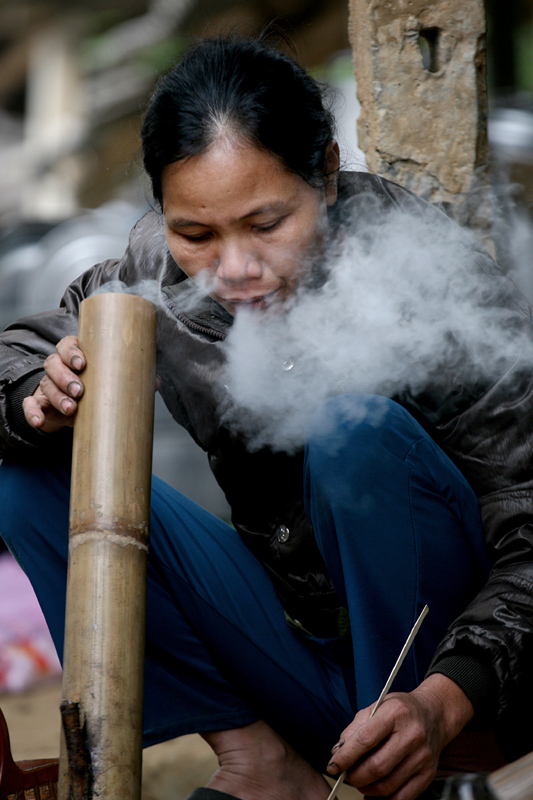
(302, 247)
(191, 263)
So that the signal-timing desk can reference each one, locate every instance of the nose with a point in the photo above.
(237, 263)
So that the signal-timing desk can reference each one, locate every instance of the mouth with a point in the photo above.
(258, 303)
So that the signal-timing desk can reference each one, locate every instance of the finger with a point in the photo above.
(385, 781)
(364, 739)
(61, 376)
(408, 739)
(42, 416)
(33, 412)
(357, 721)
(49, 394)
(71, 353)
(391, 763)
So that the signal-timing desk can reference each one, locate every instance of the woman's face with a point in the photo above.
(238, 222)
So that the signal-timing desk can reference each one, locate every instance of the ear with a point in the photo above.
(331, 171)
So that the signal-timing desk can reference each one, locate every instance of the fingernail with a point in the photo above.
(66, 405)
(35, 419)
(76, 362)
(74, 388)
(336, 746)
(332, 768)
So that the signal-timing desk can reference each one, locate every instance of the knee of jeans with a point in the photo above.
(359, 428)
(344, 417)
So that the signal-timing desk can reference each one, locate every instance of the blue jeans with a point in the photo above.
(398, 527)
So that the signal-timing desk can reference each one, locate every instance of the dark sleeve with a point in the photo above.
(488, 649)
(487, 432)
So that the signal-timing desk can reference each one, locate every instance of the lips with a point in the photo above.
(260, 302)
(252, 301)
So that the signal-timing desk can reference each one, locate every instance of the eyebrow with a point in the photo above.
(272, 208)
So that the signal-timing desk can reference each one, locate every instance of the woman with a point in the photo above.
(273, 640)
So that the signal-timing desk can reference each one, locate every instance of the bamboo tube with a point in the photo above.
(102, 693)
(514, 781)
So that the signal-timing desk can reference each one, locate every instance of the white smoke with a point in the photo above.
(149, 289)
(189, 298)
(408, 299)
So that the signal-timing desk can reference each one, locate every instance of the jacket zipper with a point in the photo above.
(201, 328)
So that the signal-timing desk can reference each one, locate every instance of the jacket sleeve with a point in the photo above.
(487, 431)
(24, 346)
(491, 443)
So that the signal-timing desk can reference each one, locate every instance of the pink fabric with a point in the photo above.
(27, 653)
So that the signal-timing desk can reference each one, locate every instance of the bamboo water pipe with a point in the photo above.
(102, 695)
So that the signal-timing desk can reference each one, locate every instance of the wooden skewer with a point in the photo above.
(388, 684)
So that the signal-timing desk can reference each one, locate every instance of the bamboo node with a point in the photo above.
(104, 535)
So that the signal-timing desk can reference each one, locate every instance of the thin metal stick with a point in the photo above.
(385, 690)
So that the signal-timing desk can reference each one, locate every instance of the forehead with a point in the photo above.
(229, 178)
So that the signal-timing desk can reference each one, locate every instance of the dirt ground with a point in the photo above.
(171, 770)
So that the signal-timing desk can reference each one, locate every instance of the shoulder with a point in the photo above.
(147, 255)
(389, 195)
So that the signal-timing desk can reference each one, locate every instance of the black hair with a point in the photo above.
(242, 87)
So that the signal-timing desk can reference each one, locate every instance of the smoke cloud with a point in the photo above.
(151, 289)
(408, 298)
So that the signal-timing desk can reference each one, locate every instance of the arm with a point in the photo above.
(486, 429)
(491, 443)
(25, 348)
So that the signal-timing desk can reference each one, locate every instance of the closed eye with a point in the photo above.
(270, 227)
(199, 237)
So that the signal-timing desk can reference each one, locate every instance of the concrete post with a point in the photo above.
(420, 67)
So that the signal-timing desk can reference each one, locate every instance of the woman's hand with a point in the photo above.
(53, 405)
(396, 752)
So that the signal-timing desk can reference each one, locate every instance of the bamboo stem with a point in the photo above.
(514, 781)
(108, 544)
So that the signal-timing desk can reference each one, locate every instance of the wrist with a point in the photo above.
(477, 679)
(448, 701)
